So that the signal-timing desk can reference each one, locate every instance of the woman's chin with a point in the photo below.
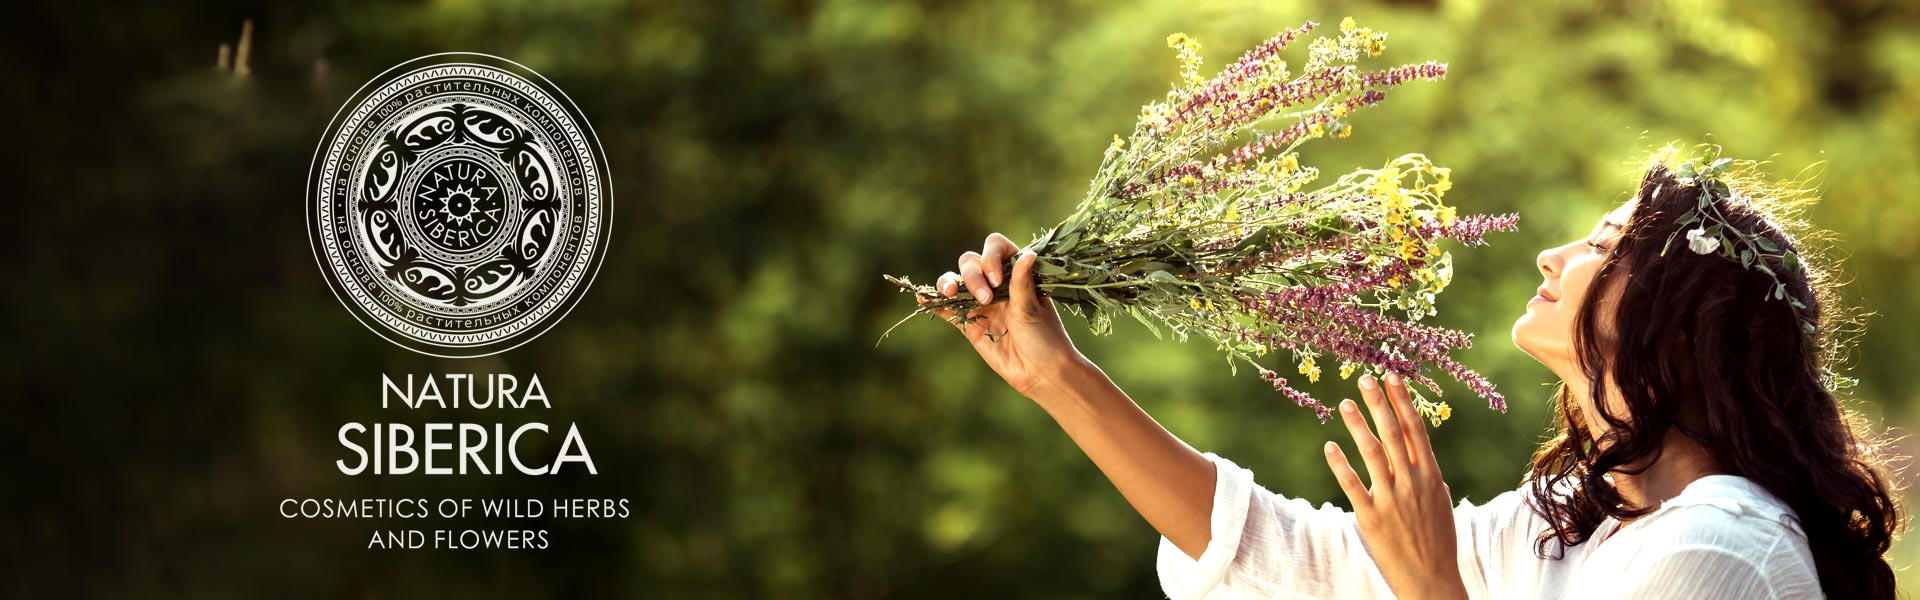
(1523, 333)
(1549, 350)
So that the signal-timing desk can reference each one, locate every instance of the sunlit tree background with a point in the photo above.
(177, 365)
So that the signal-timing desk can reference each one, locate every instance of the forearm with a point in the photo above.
(1167, 482)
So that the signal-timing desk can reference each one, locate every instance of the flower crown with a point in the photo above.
(1714, 233)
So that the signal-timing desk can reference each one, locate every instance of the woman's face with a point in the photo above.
(1545, 332)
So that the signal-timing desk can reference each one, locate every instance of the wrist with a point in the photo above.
(1067, 383)
(1450, 588)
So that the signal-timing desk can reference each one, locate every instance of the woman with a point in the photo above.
(1699, 451)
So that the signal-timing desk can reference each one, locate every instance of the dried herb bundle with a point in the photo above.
(1201, 223)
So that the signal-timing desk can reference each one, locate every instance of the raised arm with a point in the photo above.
(1169, 483)
(1268, 542)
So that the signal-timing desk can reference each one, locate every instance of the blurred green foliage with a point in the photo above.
(178, 365)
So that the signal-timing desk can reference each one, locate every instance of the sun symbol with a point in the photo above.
(456, 204)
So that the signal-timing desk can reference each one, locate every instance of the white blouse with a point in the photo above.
(1722, 537)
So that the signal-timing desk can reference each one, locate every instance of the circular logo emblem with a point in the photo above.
(458, 204)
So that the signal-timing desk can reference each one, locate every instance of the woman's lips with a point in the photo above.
(1540, 295)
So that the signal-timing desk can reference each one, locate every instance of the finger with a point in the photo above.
(1413, 428)
(974, 331)
(1349, 480)
(1371, 453)
(1023, 291)
(993, 257)
(1385, 423)
(949, 284)
(976, 282)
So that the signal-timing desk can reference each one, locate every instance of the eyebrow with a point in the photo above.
(1603, 229)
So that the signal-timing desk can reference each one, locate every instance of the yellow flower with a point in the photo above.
(1309, 369)
(1233, 213)
(1290, 162)
(1394, 282)
(1194, 303)
(1441, 414)
(1409, 249)
(1376, 44)
(1395, 198)
(1189, 56)
(1345, 131)
(1386, 181)
(1347, 25)
(1448, 214)
(1346, 370)
(1188, 180)
(1209, 304)
(1340, 110)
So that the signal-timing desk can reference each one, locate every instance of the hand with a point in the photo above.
(1407, 516)
(1028, 346)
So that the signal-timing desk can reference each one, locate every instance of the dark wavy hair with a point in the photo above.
(1699, 345)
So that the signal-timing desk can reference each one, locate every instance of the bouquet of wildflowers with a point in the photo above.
(1203, 222)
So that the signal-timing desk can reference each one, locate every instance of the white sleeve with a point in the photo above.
(1265, 545)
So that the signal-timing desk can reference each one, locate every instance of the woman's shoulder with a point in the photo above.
(1726, 500)
(1725, 513)
(1722, 532)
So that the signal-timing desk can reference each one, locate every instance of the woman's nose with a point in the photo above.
(1550, 262)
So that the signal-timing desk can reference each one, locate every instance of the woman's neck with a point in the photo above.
(1681, 460)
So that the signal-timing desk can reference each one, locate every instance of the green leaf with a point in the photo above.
(1100, 322)
(1140, 316)
(1164, 277)
(1779, 291)
(1260, 237)
(1746, 258)
(1765, 244)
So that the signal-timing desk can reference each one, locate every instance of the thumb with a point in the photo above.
(1022, 288)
